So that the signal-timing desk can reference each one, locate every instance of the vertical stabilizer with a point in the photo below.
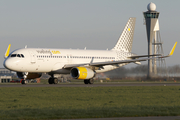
(125, 41)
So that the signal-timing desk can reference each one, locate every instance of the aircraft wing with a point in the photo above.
(100, 64)
(138, 56)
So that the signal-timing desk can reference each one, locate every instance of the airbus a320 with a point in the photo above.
(30, 63)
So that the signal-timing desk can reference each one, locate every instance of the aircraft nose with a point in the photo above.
(8, 64)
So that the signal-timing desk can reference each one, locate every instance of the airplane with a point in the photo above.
(30, 63)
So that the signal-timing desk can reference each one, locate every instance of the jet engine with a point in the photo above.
(82, 73)
(28, 75)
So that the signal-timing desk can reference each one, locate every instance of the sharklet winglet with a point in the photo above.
(172, 50)
(7, 51)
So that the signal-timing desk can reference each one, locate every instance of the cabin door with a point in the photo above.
(69, 59)
(33, 57)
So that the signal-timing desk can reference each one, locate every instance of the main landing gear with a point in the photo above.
(89, 81)
(53, 80)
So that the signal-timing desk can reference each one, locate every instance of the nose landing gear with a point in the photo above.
(23, 81)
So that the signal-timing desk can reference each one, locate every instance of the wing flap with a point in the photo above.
(138, 56)
(118, 62)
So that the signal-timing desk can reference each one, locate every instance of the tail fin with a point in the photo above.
(125, 41)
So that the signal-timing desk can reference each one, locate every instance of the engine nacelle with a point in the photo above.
(29, 75)
(82, 73)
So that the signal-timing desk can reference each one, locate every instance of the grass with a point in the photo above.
(88, 102)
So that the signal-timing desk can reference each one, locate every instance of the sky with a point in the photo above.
(94, 24)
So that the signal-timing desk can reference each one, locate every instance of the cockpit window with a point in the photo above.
(13, 55)
(17, 55)
(22, 55)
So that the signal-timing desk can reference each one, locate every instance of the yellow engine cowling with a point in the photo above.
(29, 75)
(82, 73)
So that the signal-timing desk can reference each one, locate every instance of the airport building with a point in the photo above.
(5, 75)
(5, 79)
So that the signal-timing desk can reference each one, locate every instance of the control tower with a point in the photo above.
(151, 20)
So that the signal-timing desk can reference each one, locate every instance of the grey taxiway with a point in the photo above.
(90, 85)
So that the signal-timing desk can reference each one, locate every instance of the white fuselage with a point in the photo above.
(41, 60)
(65, 61)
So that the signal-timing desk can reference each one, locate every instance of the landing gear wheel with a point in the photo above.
(91, 81)
(22, 82)
(55, 81)
(86, 81)
(50, 81)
